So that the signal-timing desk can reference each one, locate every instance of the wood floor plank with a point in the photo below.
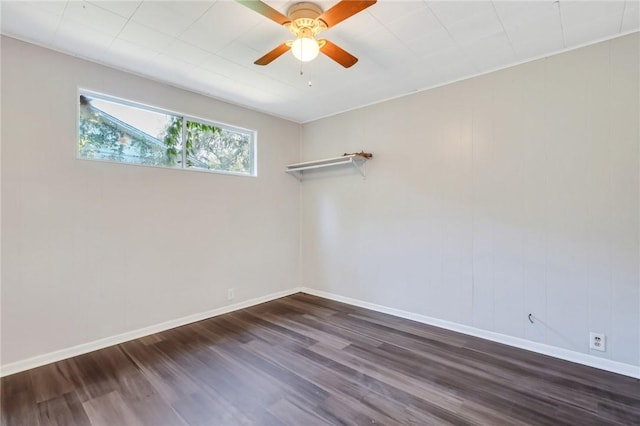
(298, 305)
(161, 371)
(321, 374)
(19, 405)
(201, 409)
(90, 380)
(304, 360)
(110, 409)
(62, 410)
(423, 396)
(482, 414)
(293, 415)
(316, 334)
(346, 383)
(239, 384)
(49, 382)
(277, 375)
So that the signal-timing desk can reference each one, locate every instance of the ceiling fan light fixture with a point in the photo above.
(305, 49)
(305, 20)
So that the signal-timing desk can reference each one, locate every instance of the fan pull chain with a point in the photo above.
(309, 83)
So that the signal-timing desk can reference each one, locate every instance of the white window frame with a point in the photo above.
(253, 135)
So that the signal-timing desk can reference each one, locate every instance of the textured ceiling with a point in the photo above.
(403, 46)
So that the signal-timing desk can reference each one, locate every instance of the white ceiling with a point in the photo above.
(403, 46)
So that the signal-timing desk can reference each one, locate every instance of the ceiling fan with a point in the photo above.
(305, 20)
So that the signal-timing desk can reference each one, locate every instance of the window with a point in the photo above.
(122, 131)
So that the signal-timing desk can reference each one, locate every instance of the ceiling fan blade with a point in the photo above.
(274, 54)
(337, 53)
(343, 10)
(265, 10)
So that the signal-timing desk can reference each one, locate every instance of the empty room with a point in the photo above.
(344, 212)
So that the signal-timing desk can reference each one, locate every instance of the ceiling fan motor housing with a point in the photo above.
(304, 19)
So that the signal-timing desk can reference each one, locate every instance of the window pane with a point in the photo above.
(119, 132)
(214, 148)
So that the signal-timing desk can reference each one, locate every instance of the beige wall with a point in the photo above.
(511, 193)
(488, 199)
(91, 249)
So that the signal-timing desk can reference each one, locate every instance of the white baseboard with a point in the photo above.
(565, 354)
(48, 358)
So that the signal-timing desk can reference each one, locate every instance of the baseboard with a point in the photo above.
(48, 358)
(565, 354)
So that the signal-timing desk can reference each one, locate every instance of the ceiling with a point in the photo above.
(403, 46)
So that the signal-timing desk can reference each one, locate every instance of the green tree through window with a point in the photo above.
(125, 133)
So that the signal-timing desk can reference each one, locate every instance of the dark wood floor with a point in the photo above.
(303, 360)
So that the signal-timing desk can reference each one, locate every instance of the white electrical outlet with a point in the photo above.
(231, 293)
(597, 342)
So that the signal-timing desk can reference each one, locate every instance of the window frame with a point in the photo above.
(253, 135)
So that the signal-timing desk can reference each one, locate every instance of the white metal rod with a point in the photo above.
(293, 169)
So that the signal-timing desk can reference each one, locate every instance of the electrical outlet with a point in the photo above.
(231, 293)
(597, 342)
